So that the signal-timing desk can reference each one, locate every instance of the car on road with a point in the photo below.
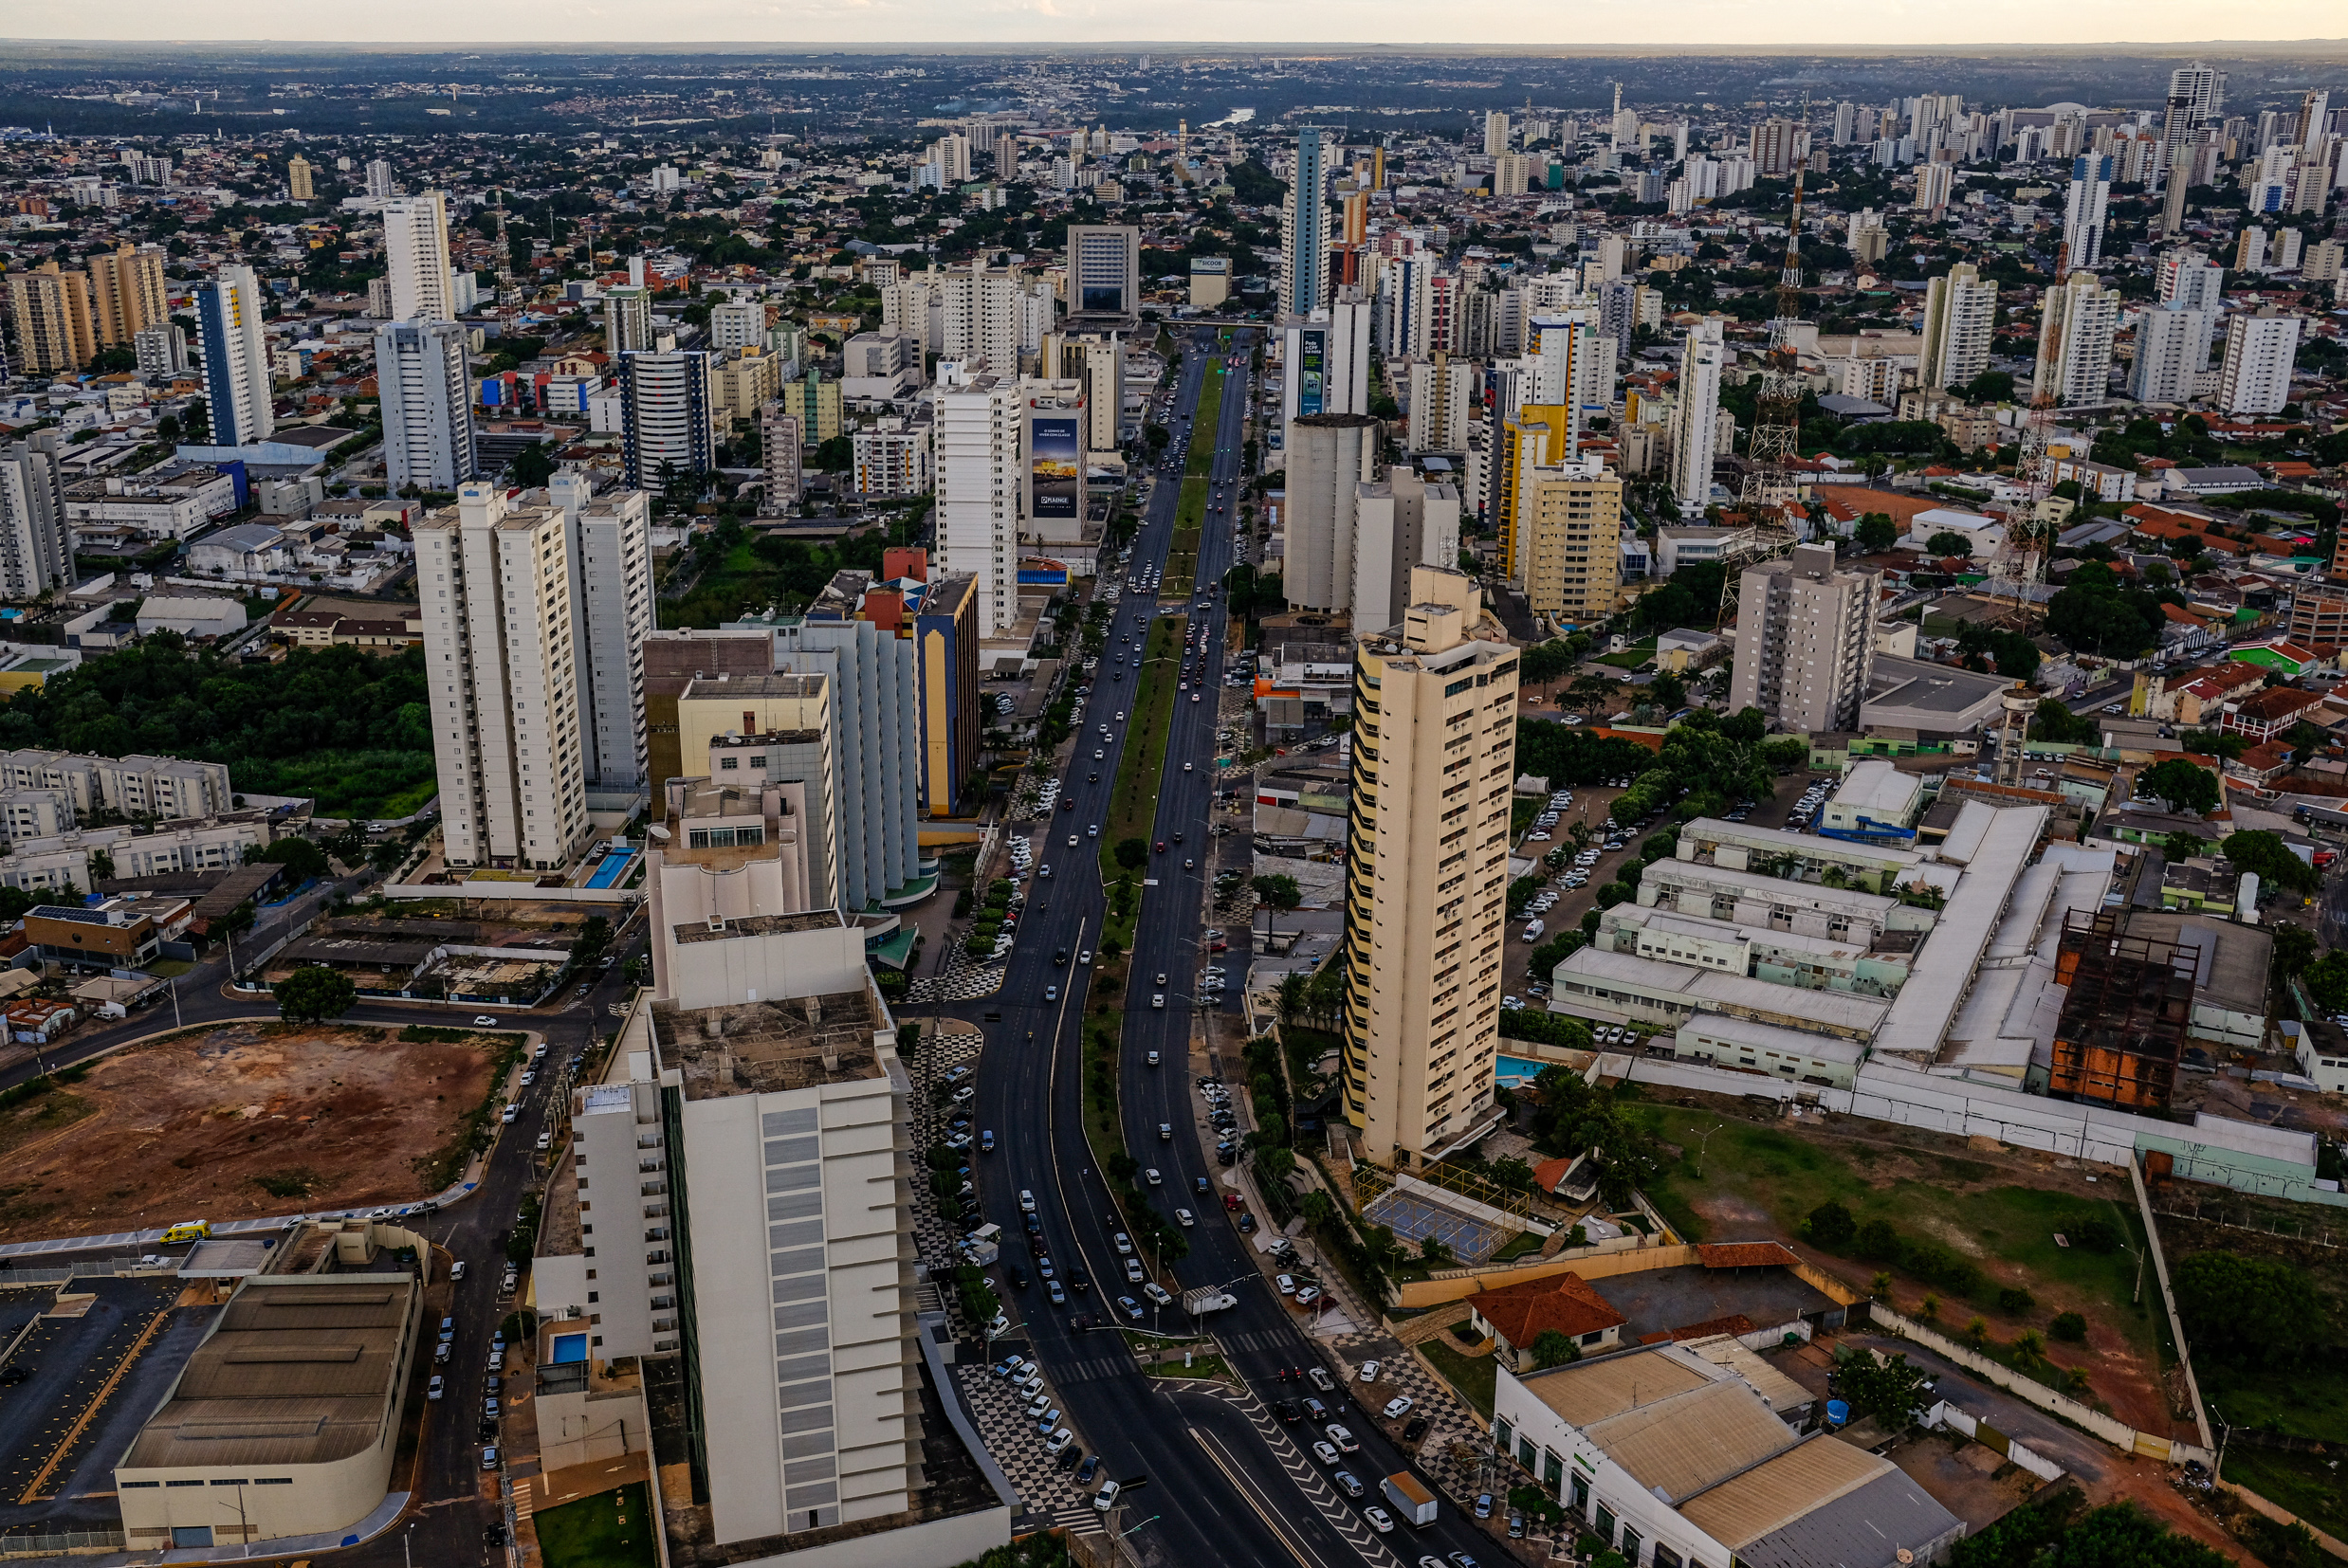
(484, 1021)
(1158, 1293)
(1052, 993)
(1123, 1243)
(1131, 1308)
(1201, 1184)
(1152, 1177)
(986, 1142)
(1182, 1217)
(1027, 1201)
(1326, 1454)
(489, 1458)
(1378, 1518)
(456, 1270)
(1052, 1288)
(1346, 1484)
(1343, 1438)
(1153, 1058)
(437, 1387)
(1321, 1380)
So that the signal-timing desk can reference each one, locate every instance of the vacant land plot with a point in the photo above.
(240, 1120)
(607, 1530)
(1997, 1210)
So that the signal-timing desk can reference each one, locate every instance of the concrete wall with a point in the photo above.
(939, 1544)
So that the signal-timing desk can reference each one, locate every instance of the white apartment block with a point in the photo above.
(738, 325)
(416, 244)
(1694, 426)
(1426, 872)
(162, 787)
(608, 539)
(36, 543)
(891, 459)
(58, 860)
(2260, 350)
(744, 1203)
(2077, 321)
(993, 314)
(1331, 459)
(426, 403)
(2172, 352)
(495, 585)
(981, 441)
(1442, 395)
(1960, 315)
(1805, 641)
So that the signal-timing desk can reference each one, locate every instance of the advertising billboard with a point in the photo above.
(1311, 368)
(1056, 466)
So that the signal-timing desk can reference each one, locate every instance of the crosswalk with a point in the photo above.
(1090, 1369)
(1261, 1338)
(1083, 1519)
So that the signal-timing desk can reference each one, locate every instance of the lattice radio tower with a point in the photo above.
(2022, 565)
(1770, 485)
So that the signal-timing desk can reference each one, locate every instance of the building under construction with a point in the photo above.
(2125, 1016)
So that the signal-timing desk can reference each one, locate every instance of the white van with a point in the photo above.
(1533, 931)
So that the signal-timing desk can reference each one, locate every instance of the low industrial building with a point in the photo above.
(1781, 957)
(1624, 987)
(1906, 695)
(1875, 804)
(1679, 1461)
(1802, 1056)
(1717, 892)
(285, 1419)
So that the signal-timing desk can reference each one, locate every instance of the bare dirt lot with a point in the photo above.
(242, 1120)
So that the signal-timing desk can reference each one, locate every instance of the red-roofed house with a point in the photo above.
(1516, 1315)
(2267, 714)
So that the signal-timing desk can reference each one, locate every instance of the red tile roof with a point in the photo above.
(1745, 1254)
(1547, 1175)
(1522, 1313)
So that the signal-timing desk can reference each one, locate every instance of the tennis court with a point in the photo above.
(1414, 1218)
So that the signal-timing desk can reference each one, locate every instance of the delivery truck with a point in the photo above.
(1207, 1298)
(1413, 1503)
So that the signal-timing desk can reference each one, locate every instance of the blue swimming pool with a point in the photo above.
(1511, 1069)
(615, 867)
(568, 1347)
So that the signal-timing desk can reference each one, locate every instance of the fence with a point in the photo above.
(2122, 1436)
(71, 1542)
(102, 1266)
(1989, 1436)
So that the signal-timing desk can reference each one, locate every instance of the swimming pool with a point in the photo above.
(614, 867)
(1515, 1069)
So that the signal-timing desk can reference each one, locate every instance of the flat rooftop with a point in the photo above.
(1835, 1009)
(1659, 1300)
(1930, 688)
(762, 1048)
(297, 1374)
(1874, 786)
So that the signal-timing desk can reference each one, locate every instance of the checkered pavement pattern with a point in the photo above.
(997, 1411)
(1452, 1438)
(963, 978)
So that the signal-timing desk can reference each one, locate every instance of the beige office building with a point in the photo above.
(1427, 873)
(1805, 641)
(1573, 548)
(495, 583)
(127, 293)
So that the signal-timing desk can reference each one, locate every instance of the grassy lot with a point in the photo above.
(1757, 1181)
(607, 1530)
(1631, 657)
(1203, 428)
(1133, 805)
(1474, 1377)
(2303, 1483)
(1181, 554)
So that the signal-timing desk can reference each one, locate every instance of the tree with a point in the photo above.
(1318, 1209)
(1888, 1388)
(1831, 1226)
(2295, 949)
(2248, 1311)
(2180, 846)
(532, 466)
(2184, 785)
(1553, 1348)
(1132, 853)
(314, 994)
(2265, 854)
(1544, 661)
(833, 455)
(303, 860)
(2326, 980)
(1949, 543)
(595, 934)
(1277, 893)
(2053, 720)
(1875, 533)
(1989, 387)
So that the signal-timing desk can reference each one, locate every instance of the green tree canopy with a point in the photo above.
(2249, 1311)
(303, 860)
(1132, 853)
(1553, 1348)
(314, 994)
(2186, 786)
(1875, 533)
(1889, 1388)
(2266, 854)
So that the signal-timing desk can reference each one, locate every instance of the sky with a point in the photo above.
(1689, 25)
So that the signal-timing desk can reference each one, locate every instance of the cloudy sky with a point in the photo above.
(1690, 25)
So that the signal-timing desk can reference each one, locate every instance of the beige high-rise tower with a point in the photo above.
(127, 294)
(1572, 518)
(495, 586)
(1960, 318)
(1805, 641)
(298, 181)
(1426, 871)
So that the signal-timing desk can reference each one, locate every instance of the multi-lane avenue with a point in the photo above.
(1225, 1485)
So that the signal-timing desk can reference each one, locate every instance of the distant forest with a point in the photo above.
(347, 728)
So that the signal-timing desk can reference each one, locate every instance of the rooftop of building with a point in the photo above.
(1930, 688)
(1874, 786)
(765, 1047)
(727, 684)
(298, 1372)
(1837, 1009)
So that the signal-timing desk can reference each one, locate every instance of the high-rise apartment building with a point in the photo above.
(779, 451)
(2172, 352)
(416, 248)
(1775, 143)
(79, 313)
(1442, 399)
(2077, 322)
(1400, 523)
(2083, 207)
(1426, 871)
(1572, 516)
(626, 320)
(752, 1215)
(983, 460)
(1805, 641)
(299, 172)
(1330, 456)
(380, 179)
(127, 293)
(1960, 319)
(427, 414)
(1935, 183)
(1495, 133)
(608, 540)
(666, 410)
(1694, 417)
(1096, 359)
(37, 311)
(1535, 435)
(236, 357)
(738, 323)
(1305, 227)
(1103, 275)
(995, 314)
(494, 583)
(36, 545)
(162, 351)
(2260, 347)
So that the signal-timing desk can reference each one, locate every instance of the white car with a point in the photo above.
(1326, 1454)
(1284, 1283)
(484, 1021)
(1397, 1409)
(1151, 1176)
(1182, 1217)
(1378, 1518)
(1369, 1371)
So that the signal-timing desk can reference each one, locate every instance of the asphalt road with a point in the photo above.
(1211, 1471)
